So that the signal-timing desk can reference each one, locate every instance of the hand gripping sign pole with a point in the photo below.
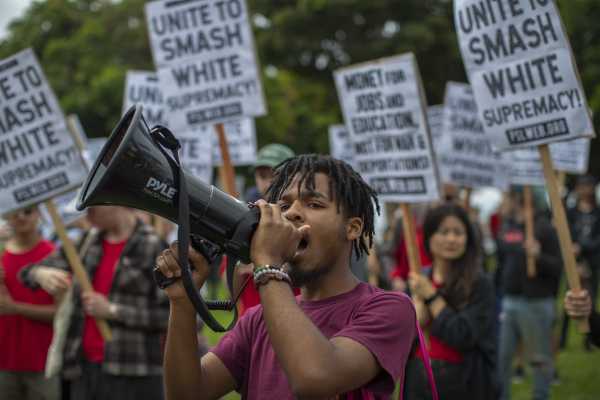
(75, 263)
(529, 233)
(564, 235)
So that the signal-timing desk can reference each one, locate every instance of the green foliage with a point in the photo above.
(86, 47)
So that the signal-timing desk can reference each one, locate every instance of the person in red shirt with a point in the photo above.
(25, 315)
(119, 258)
(455, 305)
(341, 338)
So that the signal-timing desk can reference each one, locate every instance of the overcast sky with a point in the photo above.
(9, 10)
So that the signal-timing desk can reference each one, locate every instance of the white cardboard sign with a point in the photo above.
(142, 87)
(464, 153)
(571, 156)
(340, 144)
(521, 67)
(205, 57)
(196, 155)
(384, 110)
(38, 157)
(241, 142)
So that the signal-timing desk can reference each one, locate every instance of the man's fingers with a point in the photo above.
(266, 213)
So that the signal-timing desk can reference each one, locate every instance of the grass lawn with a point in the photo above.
(579, 370)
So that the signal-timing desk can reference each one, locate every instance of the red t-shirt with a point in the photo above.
(383, 322)
(24, 342)
(93, 344)
(439, 350)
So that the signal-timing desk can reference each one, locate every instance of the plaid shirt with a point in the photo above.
(143, 309)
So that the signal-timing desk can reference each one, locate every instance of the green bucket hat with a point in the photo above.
(273, 154)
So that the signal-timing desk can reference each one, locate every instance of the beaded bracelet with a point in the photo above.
(264, 276)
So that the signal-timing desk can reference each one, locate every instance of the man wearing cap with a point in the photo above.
(267, 158)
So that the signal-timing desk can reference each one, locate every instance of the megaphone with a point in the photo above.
(134, 169)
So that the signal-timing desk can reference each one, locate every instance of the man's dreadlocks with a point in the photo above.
(351, 193)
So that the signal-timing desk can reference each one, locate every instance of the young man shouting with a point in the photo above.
(338, 338)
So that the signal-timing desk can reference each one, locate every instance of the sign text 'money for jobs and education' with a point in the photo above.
(383, 107)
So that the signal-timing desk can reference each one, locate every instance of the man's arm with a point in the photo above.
(185, 375)
(315, 366)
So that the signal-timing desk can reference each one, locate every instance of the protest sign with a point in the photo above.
(384, 110)
(340, 144)
(241, 142)
(464, 153)
(38, 157)
(196, 155)
(206, 62)
(571, 156)
(435, 118)
(524, 166)
(522, 71)
(142, 87)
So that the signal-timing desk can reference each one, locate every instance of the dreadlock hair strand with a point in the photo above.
(353, 196)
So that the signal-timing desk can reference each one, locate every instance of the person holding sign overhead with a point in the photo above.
(456, 304)
(119, 258)
(340, 337)
(25, 315)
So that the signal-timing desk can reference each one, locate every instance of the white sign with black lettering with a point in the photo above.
(38, 157)
(521, 68)
(435, 118)
(241, 142)
(196, 155)
(142, 87)
(464, 152)
(384, 111)
(571, 156)
(205, 57)
(525, 166)
(340, 144)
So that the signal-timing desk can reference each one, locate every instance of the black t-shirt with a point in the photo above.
(512, 260)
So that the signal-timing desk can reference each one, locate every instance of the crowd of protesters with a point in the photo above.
(338, 336)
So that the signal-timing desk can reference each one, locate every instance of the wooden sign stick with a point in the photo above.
(467, 199)
(564, 235)
(226, 172)
(75, 262)
(410, 238)
(529, 228)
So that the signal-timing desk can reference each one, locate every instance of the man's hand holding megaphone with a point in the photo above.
(167, 263)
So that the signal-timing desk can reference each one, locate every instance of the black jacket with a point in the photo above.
(512, 261)
(470, 331)
(585, 231)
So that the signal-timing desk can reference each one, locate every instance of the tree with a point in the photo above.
(86, 47)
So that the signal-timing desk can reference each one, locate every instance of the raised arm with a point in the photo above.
(186, 376)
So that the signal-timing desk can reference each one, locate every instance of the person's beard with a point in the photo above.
(301, 278)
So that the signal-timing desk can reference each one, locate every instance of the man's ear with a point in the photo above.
(354, 228)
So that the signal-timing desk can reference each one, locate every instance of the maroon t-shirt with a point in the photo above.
(383, 322)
